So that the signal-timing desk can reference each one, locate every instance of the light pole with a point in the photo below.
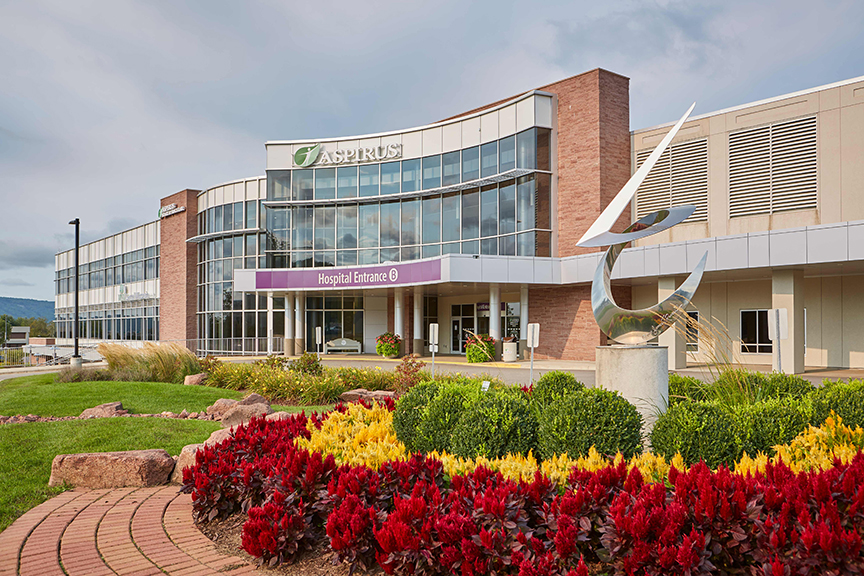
(76, 361)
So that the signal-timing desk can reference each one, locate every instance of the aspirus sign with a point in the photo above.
(125, 296)
(170, 210)
(316, 155)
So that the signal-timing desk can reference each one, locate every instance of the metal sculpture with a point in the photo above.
(636, 327)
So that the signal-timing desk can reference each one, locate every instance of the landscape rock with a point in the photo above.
(382, 395)
(278, 416)
(254, 399)
(193, 415)
(354, 395)
(107, 410)
(112, 469)
(195, 379)
(220, 407)
(186, 459)
(218, 436)
(241, 414)
(183, 414)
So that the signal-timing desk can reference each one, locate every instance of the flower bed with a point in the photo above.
(387, 344)
(307, 478)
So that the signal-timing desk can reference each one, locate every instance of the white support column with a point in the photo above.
(787, 291)
(523, 320)
(289, 324)
(417, 344)
(495, 317)
(269, 323)
(399, 312)
(300, 324)
(672, 338)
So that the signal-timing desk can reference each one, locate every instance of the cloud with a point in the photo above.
(15, 282)
(23, 255)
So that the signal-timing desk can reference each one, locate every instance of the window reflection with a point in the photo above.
(431, 172)
(411, 180)
(390, 178)
(390, 224)
(369, 180)
(325, 183)
(470, 164)
(347, 182)
(451, 170)
(470, 215)
(489, 159)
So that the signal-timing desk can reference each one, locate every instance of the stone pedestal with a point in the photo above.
(640, 374)
(76, 362)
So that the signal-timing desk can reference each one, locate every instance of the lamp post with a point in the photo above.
(76, 361)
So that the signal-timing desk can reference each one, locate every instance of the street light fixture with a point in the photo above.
(76, 358)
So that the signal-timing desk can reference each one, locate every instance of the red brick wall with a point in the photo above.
(178, 269)
(567, 327)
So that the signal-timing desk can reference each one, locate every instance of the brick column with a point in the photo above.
(178, 302)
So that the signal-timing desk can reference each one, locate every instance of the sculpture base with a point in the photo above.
(76, 363)
(640, 374)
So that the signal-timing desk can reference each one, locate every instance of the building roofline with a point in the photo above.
(108, 236)
(756, 103)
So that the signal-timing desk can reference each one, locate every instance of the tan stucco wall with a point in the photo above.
(835, 316)
(840, 157)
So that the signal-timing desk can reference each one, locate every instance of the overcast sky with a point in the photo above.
(107, 106)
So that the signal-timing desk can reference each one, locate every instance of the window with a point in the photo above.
(526, 149)
(692, 332)
(431, 172)
(346, 182)
(470, 164)
(346, 232)
(390, 222)
(368, 220)
(369, 180)
(279, 185)
(410, 222)
(325, 183)
(390, 178)
(451, 169)
(507, 153)
(302, 184)
(411, 175)
(450, 218)
(754, 332)
(489, 159)
(431, 220)
(470, 215)
(489, 211)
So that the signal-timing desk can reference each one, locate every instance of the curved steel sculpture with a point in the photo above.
(636, 327)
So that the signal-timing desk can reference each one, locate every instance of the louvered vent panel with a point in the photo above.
(690, 177)
(654, 193)
(773, 168)
(750, 172)
(679, 177)
(793, 165)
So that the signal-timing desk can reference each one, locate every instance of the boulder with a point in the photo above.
(278, 416)
(354, 395)
(218, 436)
(241, 414)
(221, 406)
(112, 469)
(183, 414)
(254, 399)
(382, 395)
(185, 460)
(195, 379)
(106, 410)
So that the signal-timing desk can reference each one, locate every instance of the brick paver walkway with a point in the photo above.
(128, 531)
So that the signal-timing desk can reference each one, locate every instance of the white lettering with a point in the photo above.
(365, 154)
(394, 150)
(350, 154)
(324, 158)
(338, 156)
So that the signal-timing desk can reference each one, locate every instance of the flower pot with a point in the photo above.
(391, 356)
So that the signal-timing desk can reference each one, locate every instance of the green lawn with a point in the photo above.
(26, 451)
(40, 395)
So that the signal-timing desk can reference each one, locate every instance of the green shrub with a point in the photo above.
(387, 344)
(684, 388)
(308, 363)
(274, 361)
(762, 425)
(590, 417)
(699, 431)
(500, 423)
(442, 414)
(409, 412)
(81, 375)
(324, 389)
(779, 385)
(846, 399)
(369, 378)
(480, 348)
(552, 387)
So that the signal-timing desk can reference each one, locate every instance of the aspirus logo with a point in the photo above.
(306, 155)
(309, 155)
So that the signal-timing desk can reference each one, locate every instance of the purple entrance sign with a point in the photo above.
(350, 277)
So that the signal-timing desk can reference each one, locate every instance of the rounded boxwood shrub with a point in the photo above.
(409, 412)
(500, 423)
(846, 399)
(442, 414)
(552, 387)
(684, 388)
(590, 417)
(762, 425)
(699, 431)
(779, 385)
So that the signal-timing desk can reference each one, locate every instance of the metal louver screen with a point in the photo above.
(773, 168)
(679, 177)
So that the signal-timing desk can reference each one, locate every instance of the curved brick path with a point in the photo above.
(128, 531)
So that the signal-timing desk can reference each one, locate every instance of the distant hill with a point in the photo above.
(27, 308)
